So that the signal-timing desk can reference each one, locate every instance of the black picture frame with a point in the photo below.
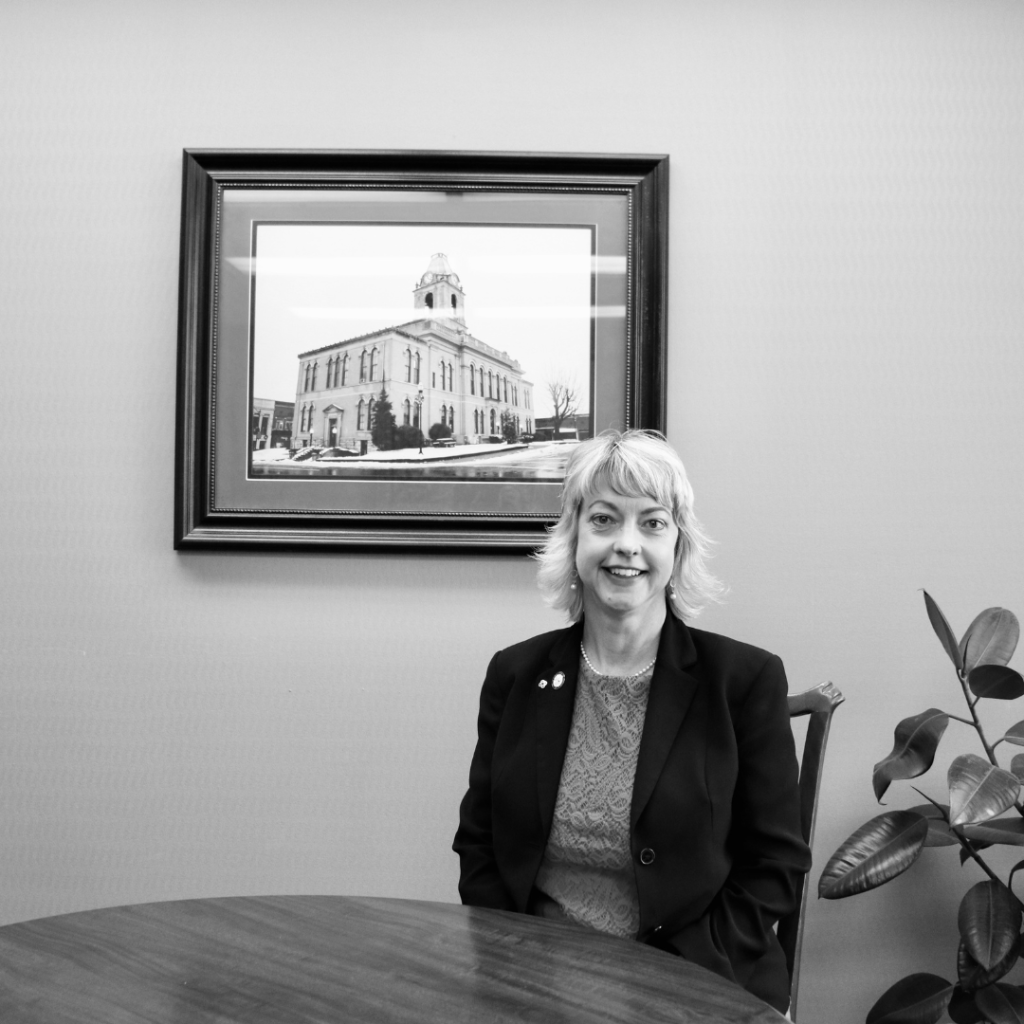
(221, 502)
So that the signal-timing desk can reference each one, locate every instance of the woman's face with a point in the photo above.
(625, 551)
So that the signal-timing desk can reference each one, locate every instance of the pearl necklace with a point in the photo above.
(629, 679)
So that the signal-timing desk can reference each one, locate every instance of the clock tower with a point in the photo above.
(439, 292)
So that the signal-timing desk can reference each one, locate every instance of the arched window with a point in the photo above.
(416, 376)
(344, 369)
(472, 379)
(451, 417)
(373, 364)
(406, 411)
(313, 382)
(493, 423)
(371, 413)
(360, 414)
(430, 300)
(455, 305)
(444, 413)
(490, 384)
(481, 382)
(506, 390)
(362, 366)
(305, 382)
(408, 365)
(330, 372)
(309, 421)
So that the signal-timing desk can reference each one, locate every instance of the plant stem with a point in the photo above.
(984, 867)
(989, 747)
(977, 721)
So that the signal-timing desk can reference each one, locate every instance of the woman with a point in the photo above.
(631, 773)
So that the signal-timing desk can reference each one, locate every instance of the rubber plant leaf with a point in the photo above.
(1009, 879)
(990, 639)
(973, 976)
(996, 681)
(916, 999)
(989, 921)
(1017, 766)
(943, 632)
(978, 790)
(961, 1008)
(1004, 832)
(878, 851)
(916, 740)
(938, 831)
(1001, 1004)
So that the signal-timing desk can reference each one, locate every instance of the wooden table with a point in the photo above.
(290, 959)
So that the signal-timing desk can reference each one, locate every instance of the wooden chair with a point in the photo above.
(820, 702)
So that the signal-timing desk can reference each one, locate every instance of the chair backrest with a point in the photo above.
(820, 702)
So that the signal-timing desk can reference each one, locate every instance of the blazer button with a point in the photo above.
(646, 856)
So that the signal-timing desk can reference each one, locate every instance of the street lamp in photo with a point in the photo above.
(419, 416)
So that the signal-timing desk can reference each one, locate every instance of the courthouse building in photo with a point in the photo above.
(432, 368)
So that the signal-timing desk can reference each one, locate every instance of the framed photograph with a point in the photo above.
(400, 349)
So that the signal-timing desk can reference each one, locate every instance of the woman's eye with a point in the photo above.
(600, 519)
(656, 524)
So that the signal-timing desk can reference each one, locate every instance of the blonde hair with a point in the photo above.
(633, 463)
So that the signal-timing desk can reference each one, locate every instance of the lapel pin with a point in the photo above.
(558, 680)
(543, 683)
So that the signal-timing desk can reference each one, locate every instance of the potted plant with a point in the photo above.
(981, 808)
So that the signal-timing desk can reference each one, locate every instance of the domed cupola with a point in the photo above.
(439, 291)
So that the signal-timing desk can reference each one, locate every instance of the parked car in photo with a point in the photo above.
(337, 453)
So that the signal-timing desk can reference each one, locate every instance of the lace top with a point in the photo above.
(587, 868)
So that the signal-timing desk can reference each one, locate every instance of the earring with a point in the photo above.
(671, 590)
(572, 586)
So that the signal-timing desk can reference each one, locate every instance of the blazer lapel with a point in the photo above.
(553, 706)
(672, 692)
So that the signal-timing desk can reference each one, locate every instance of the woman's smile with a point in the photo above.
(618, 573)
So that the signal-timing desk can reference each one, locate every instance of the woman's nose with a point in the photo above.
(628, 539)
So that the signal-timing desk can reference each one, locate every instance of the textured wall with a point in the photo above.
(845, 365)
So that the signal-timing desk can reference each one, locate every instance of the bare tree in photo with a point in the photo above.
(564, 393)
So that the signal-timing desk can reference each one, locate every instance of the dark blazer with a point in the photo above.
(715, 820)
